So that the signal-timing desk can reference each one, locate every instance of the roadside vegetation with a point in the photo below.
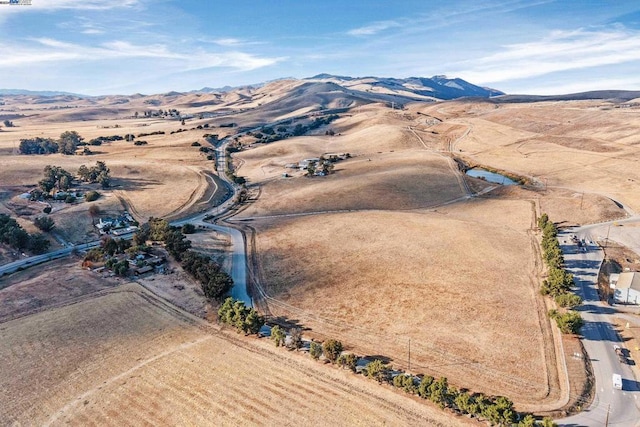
(12, 234)
(245, 319)
(558, 283)
(496, 410)
(214, 281)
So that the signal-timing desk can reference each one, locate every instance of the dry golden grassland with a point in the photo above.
(162, 178)
(459, 282)
(583, 146)
(123, 356)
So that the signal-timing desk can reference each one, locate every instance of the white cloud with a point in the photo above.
(559, 51)
(47, 50)
(373, 28)
(228, 42)
(81, 4)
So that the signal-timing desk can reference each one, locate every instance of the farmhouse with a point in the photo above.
(627, 288)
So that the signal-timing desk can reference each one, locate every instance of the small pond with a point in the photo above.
(496, 178)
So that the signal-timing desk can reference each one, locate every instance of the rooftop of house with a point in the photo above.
(629, 280)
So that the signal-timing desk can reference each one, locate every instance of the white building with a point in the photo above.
(627, 288)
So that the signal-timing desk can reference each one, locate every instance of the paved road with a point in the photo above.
(12, 267)
(620, 407)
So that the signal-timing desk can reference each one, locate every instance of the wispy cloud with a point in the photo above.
(373, 28)
(228, 42)
(559, 51)
(47, 50)
(82, 4)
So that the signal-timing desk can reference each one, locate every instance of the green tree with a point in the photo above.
(38, 244)
(548, 422)
(109, 246)
(348, 360)
(188, 228)
(278, 335)
(439, 392)
(311, 169)
(315, 350)
(568, 300)
(423, 389)
(68, 142)
(569, 322)
(527, 421)
(405, 382)
(332, 349)
(44, 223)
(377, 370)
(91, 196)
(295, 341)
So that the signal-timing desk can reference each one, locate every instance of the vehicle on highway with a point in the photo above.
(617, 381)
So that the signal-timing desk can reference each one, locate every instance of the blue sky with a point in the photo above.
(153, 46)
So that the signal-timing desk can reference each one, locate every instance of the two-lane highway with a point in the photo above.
(615, 407)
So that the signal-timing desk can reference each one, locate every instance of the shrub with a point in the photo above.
(568, 300)
(315, 350)
(195, 144)
(188, 229)
(377, 370)
(569, 322)
(70, 199)
(44, 223)
(348, 360)
(332, 349)
(91, 196)
(47, 210)
(278, 335)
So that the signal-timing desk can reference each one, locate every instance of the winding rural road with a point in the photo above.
(610, 406)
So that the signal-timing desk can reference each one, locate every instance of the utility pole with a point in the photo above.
(606, 421)
(581, 200)
(606, 241)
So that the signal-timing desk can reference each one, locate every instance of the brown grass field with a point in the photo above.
(385, 250)
(122, 356)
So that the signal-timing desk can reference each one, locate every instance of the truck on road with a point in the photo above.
(617, 381)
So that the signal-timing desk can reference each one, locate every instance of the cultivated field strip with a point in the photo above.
(199, 384)
(126, 358)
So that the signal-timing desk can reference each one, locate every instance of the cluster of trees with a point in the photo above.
(244, 319)
(38, 145)
(160, 113)
(69, 141)
(558, 283)
(12, 234)
(102, 139)
(111, 247)
(214, 281)
(66, 144)
(159, 132)
(98, 173)
(55, 177)
(268, 134)
(279, 335)
(498, 410)
(8, 124)
(326, 166)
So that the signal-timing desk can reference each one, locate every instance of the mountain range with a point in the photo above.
(436, 87)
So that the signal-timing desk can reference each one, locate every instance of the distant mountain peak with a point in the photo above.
(438, 86)
(46, 93)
